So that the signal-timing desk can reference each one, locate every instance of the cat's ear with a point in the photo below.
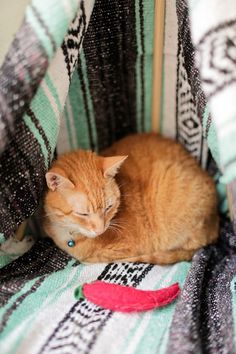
(55, 181)
(112, 164)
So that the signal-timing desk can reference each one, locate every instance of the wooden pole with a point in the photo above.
(159, 26)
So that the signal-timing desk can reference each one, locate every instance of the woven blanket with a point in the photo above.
(29, 123)
(214, 40)
(40, 314)
(90, 87)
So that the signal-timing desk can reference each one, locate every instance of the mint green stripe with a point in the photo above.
(46, 288)
(52, 288)
(44, 39)
(89, 99)
(212, 138)
(55, 19)
(4, 260)
(137, 68)
(79, 114)
(25, 288)
(132, 332)
(53, 91)
(2, 238)
(157, 329)
(205, 117)
(47, 119)
(68, 127)
(193, 4)
(148, 14)
(44, 112)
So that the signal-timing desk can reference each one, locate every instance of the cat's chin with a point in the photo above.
(87, 233)
(90, 235)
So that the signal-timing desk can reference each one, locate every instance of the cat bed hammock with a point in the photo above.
(83, 73)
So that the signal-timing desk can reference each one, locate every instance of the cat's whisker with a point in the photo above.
(117, 225)
(117, 231)
(121, 184)
(122, 225)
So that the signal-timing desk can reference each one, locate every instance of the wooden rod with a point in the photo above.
(159, 26)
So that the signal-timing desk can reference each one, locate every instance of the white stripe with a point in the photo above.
(63, 144)
(59, 76)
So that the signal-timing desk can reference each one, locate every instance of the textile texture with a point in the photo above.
(34, 323)
(214, 41)
(91, 86)
(29, 127)
(203, 320)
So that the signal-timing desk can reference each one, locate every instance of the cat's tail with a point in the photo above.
(162, 257)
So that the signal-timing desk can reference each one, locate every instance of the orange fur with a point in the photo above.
(164, 209)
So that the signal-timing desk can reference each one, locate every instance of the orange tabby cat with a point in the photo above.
(160, 208)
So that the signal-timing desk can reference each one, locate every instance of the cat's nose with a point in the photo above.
(98, 224)
(99, 230)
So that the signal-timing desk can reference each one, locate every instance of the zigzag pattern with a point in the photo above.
(189, 126)
(77, 332)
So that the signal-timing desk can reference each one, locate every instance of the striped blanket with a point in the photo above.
(83, 78)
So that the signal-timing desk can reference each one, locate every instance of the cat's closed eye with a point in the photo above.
(108, 207)
(81, 214)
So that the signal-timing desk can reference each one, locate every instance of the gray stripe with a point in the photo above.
(16, 89)
(203, 320)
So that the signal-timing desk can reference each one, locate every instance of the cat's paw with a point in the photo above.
(14, 248)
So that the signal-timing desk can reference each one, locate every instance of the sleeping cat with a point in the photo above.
(159, 208)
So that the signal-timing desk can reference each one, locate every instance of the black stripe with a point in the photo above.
(216, 29)
(71, 45)
(203, 321)
(84, 23)
(66, 46)
(44, 26)
(33, 118)
(208, 125)
(142, 62)
(85, 98)
(44, 258)
(22, 170)
(110, 52)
